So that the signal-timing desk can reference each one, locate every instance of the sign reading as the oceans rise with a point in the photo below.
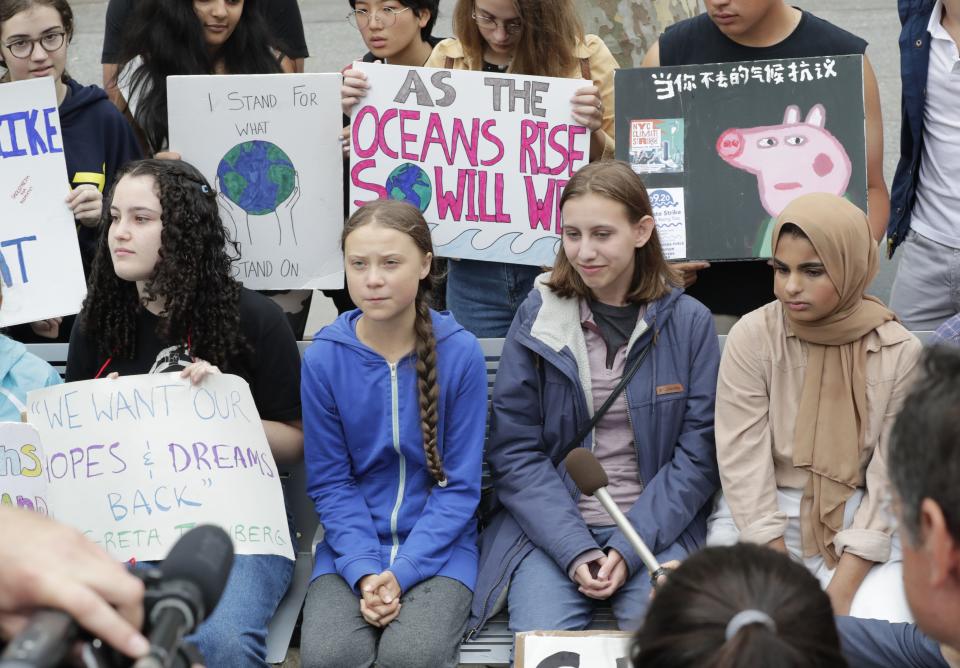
(484, 156)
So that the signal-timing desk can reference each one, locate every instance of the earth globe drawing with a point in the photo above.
(256, 176)
(410, 184)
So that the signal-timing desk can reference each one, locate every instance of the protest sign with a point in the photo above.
(21, 468)
(573, 649)
(484, 156)
(724, 148)
(136, 461)
(40, 265)
(269, 145)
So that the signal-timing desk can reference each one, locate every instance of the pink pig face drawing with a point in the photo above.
(791, 159)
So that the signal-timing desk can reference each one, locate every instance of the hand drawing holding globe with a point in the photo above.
(257, 178)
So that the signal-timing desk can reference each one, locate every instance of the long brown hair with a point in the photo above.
(547, 43)
(403, 217)
(652, 274)
(10, 8)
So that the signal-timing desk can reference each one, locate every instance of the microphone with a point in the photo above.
(194, 576)
(43, 643)
(592, 480)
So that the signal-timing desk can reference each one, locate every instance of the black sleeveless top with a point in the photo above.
(736, 288)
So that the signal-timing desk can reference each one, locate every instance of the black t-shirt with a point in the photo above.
(272, 368)
(282, 16)
(736, 288)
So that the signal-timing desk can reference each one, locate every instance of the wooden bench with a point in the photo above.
(489, 647)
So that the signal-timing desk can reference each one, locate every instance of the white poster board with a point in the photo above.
(22, 481)
(484, 156)
(269, 144)
(40, 265)
(136, 461)
(573, 649)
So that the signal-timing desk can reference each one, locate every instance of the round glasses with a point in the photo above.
(490, 23)
(361, 18)
(23, 48)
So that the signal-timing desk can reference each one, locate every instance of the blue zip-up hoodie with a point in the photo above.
(539, 404)
(20, 372)
(366, 469)
(914, 61)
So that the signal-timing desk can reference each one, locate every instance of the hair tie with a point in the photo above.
(746, 618)
(204, 188)
(442, 483)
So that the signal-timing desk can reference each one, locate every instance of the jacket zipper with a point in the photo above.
(395, 412)
(483, 613)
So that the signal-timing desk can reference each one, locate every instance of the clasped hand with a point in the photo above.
(380, 599)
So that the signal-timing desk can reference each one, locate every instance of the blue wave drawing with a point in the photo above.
(542, 253)
(678, 223)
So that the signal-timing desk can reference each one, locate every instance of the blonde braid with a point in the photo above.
(428, 390)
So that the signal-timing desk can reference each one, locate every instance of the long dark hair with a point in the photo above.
(168, 37)
(403, 217)
(687, 623)
(193, 275)
(10, 8)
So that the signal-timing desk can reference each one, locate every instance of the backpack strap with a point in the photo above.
(585, 69)
(448, 63)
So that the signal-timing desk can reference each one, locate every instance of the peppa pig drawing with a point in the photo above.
(791, 159)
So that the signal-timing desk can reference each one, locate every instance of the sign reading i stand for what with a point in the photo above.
(40, 268)
(269, 145)
(484, 156)
(134, 462)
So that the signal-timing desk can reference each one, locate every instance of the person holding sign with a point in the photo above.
(533, 37)
(97, 141)
(212, 36)
(749, 30)
(394, 407)
(161, 299)
(607, 328)
(808, 390)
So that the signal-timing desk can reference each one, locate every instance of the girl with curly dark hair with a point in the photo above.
(211, 37)
(394, 411)
(161, 298)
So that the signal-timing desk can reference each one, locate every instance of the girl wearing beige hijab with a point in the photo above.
(808, 389)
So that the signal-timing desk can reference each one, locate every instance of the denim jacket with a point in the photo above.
(540, 401)
(914, 58)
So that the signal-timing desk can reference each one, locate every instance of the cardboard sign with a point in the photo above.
(724, 148)
(484, 156)
(269, 144)
(135, 462)
(40, 265)
(573, 649)
(22, 482)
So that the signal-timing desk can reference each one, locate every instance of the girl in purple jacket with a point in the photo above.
(610, 296)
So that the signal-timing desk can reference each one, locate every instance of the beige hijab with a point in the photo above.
(829, 431)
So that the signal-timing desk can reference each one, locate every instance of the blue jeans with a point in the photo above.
(543, 597)
(484, 296)
(235, 635)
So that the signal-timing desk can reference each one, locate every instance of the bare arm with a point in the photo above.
(110, 71)
(878, 199)
(285, 439)
(846, 581)
(652, 59)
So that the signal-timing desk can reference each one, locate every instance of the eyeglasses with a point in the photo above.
(23, 48)
(361, 18)
(490, 23)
